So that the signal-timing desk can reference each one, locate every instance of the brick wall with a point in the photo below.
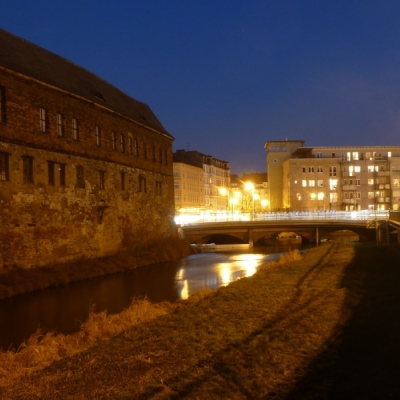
(52, 219)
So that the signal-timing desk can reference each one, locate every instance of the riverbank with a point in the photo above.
(323, 325)
(18, 281)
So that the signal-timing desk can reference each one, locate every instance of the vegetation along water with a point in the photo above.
(323, 324)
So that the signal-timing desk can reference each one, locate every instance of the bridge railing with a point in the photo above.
(188, 219)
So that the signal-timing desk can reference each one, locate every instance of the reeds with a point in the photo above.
(41, 349)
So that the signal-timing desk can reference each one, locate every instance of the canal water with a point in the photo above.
(63, 308)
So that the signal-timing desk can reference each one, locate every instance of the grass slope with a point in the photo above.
(323, 326)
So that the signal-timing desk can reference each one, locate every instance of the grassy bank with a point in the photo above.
(322, 326)
(18, 281)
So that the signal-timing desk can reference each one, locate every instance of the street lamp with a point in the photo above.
(250, 186)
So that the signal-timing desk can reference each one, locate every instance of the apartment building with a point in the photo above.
(333, 178)
(216, 180)
(188, 182)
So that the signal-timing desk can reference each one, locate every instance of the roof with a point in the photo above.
(181, 156)
(28, 59)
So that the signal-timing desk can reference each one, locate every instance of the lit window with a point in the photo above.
(320, 196)
(357, 168)
(370, 181)
(333, 184)
(304, 183)
(311, 183)
(320, 183)
(355, 155)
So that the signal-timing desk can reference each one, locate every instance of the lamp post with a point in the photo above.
(250, 186)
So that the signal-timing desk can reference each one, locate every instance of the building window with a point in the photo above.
(60, 125)
(370, 181)
(114, 140)
(80, 180)
(304, 170)
(320, 169)
(142, 184)
(333, 184)
(311, 183)
(310, 169)
(102, 179)
(50, 173)
(135, 148)
(332, 171)
(98, 136)
(2, 104)
(320, 183)
(74, 126)
(319, 155)
(4, 167)
(176, 185)
(61, 168)
(43, 119)
(358, 182)
(129, 145)
(333, 155)
(158, 188)
(122, 180)
(304, 183)
(122, 144)
(27, 169)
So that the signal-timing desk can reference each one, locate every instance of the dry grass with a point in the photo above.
(40, 350)
(282, 333)
(18, 281)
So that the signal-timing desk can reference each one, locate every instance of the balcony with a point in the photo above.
(349, 187)
(383, 173)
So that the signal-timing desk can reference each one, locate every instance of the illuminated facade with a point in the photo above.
(215, 184)
(333, 178)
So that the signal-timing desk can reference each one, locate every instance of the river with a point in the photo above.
(63, 308)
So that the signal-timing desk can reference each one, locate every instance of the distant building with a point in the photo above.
(188, 182)
(332, 178)
(216, 180)
(85, 170)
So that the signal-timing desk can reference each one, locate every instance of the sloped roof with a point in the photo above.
(28, 59)
(181, 156)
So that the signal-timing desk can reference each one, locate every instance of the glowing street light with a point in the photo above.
(250, 186)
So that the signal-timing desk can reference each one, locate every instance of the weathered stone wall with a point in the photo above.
(42, 222)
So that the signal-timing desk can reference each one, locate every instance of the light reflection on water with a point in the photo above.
(224, 269)
(62, 308)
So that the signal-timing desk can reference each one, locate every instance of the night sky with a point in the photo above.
(224, 77)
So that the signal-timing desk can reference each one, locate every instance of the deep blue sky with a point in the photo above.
(226, 76)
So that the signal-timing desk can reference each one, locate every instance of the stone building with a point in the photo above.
(85, 170)
(333, 178)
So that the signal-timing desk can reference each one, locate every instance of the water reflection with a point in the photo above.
(63, 308)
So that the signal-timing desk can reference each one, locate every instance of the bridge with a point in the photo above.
(315, 227)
